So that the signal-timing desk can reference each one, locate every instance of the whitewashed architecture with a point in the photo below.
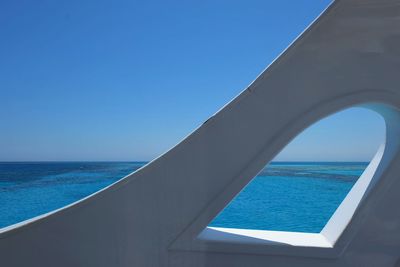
(158, 216)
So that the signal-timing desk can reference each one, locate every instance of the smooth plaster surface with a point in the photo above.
(349, 56)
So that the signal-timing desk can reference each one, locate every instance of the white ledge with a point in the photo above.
(234, 235)
(329, 234)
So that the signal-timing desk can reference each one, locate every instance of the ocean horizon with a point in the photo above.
(298, 196)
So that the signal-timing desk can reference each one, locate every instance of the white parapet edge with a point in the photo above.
(234, 235)
(325, 239)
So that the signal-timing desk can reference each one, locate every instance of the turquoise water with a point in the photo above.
(295, 197)
(284, 196)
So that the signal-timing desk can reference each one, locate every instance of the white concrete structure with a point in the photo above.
(158, 215)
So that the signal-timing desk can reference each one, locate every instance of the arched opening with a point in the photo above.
(303, 186)
(308, 194)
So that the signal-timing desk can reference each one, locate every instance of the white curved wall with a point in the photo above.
(350, 56)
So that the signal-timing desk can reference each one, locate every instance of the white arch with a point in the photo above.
(349, 56)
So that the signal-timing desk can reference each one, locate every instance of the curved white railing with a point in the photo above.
(153, 217)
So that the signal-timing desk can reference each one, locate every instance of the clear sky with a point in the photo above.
(126, 80)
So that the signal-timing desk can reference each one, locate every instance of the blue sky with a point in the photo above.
(126, 80)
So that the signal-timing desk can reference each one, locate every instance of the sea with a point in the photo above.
(284, 196)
